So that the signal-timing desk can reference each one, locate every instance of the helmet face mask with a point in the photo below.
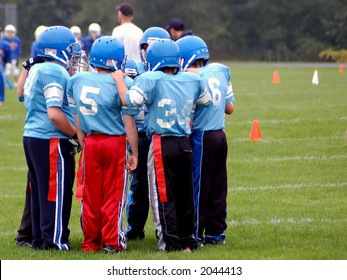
(107, 52)
(151, 35)
(78, 58)
(192, 48)
(74, 50)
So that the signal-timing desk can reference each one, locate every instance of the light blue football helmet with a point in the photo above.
(163, 53)
(130, 69)
(151, 35)
(58, 43)
(192, 48)
(107, 52)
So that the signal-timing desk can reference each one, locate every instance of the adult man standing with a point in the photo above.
(127, 32)
(176, 29)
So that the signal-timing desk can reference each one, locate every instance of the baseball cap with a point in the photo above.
(176, 23)
(125, 9)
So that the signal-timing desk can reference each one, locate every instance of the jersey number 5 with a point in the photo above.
(92, 107)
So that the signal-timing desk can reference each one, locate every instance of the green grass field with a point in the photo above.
(287, 195)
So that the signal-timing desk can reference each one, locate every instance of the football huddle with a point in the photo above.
(143, 113)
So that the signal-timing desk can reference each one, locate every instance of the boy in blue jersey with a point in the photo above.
(16, 50)
(103, 126)
(37, 33)
(5, 57)
(170, 97)
(94, 32)
(209, 142)
(138, 201)
(48, 127)
(24, 233)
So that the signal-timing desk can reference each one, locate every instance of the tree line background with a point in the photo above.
(265, 30)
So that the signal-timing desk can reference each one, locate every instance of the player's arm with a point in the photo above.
(24, 74)
(229, 98)
(80, 134)
(58, 118)
(118, 76)
(131, 131)
(21, 81)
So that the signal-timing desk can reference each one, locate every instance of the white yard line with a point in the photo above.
(292, 158)
(12, 195)
(288, 186)
(276, 221)
(285, 140)
(280, 121)
(17, 145)
(13, 168)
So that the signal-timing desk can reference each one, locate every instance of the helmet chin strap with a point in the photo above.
(189, 62)
(65, 62)
(122, 64)
(155, 67)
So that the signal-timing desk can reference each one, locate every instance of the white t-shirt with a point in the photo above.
(130, 35)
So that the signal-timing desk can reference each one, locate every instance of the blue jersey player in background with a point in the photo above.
(210, 148)
(15, 42)
(5, 57)
(170, 96)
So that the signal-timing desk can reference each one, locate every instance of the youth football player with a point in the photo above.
(209, 142)
(138, 202)
(170, 96)
(48, 127)
(104, 134)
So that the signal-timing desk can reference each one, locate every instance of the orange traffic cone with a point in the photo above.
(276, 78)
(342, 68)
(255, 133)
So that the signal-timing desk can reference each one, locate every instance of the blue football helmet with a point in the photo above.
(191, 49)
(151, 35)
(107, 52)
(163, 53)
(58, 43)
(130, 69)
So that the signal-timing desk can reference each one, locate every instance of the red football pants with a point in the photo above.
(104, 192)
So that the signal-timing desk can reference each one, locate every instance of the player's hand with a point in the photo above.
(75, 145)
(32, 61)
(131, 163)
(118, 75)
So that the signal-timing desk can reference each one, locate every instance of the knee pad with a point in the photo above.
(8, 69)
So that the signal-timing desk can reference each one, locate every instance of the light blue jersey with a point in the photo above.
(218, 82)
(141, 119)
(94, 97)
(141, 67)
(170, 100)
(45, 87)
